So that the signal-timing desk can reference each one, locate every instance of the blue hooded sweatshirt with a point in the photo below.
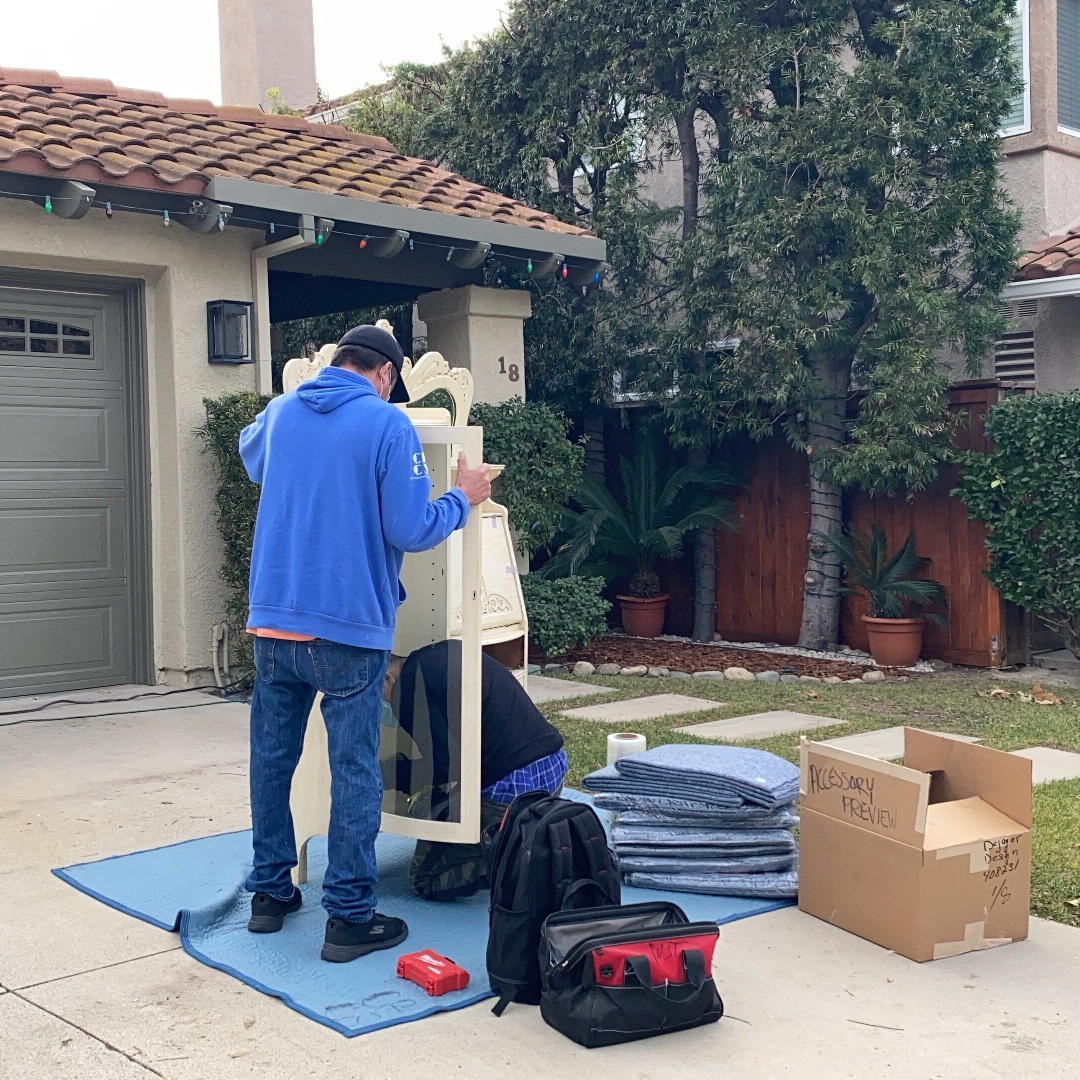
(345, 492)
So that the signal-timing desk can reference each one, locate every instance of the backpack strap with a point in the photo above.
(597, 853)
(562, 859)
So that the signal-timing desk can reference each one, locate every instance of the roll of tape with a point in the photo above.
(624, 743)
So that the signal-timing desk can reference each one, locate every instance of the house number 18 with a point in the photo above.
(512, 372)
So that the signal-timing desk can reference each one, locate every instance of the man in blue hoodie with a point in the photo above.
(345, 492)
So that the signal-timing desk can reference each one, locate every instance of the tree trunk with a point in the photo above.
(704, 585)
(821, 588)
(704, 539)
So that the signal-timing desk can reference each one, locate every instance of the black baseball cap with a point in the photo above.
(379, 341)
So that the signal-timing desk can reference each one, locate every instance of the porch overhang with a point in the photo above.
(441, 243)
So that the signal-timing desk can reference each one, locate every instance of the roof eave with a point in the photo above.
(1043, 288)
(275, 198)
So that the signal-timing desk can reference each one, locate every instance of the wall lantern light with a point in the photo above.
(228, 332)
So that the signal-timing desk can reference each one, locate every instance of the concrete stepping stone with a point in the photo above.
(886, 744)
(760, 725)
(542, 689)
(1048, 764)
(642, 708)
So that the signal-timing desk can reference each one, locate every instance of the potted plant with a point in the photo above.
(659, 505)
(896, 597)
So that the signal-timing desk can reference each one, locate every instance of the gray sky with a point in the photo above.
(178, 54)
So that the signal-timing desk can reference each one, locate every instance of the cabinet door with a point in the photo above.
(431, 731)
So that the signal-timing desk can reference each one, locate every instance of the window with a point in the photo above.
(22, 334)
(1068, 53)
(626, 382)
(1018, 119)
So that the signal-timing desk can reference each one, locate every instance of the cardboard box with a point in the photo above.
(930, 859)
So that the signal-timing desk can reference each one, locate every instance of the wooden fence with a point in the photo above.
(759, 575)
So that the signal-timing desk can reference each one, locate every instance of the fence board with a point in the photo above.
(760, 568)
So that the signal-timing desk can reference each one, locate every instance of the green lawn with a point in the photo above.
(947, 702)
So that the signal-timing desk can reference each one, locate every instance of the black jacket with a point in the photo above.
(513, 732)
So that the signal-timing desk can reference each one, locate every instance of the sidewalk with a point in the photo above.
(88, 992)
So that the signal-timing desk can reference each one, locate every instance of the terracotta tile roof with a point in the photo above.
(1056, 256)
(90, 130)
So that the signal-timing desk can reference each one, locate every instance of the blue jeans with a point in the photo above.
(288, 674)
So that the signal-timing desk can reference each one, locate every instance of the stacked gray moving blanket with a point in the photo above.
(712, 819)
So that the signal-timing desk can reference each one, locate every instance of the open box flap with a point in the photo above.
(965, 770)
(869, 794)
(965, 822)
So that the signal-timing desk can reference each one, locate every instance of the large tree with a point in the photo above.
(839, 213)
(866, 233)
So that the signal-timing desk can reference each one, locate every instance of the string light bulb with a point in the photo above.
(108, 210)
(166, 218)
(48, 204)
(450, 254)
(565, 272)
(528, 266)
(221, 222)
(273, 228)
(363, 243)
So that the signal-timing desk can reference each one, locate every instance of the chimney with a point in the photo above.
(267, 43)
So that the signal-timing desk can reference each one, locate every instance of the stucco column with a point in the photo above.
(482, 330)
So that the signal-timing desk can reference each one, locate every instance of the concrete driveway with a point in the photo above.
(88, 992)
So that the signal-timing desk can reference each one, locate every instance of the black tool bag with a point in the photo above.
(616, 974)
(548, 854)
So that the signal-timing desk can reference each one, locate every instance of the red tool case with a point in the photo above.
(434, 974)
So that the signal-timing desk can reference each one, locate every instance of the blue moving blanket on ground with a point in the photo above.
(197, 888)
(711, 773)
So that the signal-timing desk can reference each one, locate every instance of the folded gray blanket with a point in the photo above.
(688, 810)
(782, 885)
(738, 864)
(783, 818)
(709, 773)
(650, 835)
(610, 779)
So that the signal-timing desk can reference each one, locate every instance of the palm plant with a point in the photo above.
(891, 584)
(661, 503)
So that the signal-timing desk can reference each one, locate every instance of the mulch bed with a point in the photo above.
(689, 657)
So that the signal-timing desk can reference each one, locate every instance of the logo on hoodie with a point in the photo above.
(419, 467)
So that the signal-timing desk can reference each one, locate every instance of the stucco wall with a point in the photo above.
(181, 271)
(1057, 345)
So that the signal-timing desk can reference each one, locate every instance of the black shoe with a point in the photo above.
(346, 941)
(268, 913)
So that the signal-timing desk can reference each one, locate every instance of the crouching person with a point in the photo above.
(519, 752)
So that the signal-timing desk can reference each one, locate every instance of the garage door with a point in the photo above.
(66, 611)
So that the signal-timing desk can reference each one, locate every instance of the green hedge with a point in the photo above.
(543, 466)
(1026, 491)
(564, 613)
(237, 501)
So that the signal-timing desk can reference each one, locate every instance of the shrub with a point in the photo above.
(237, 501)
(1026, 491)
(564, 613)
(543, 466)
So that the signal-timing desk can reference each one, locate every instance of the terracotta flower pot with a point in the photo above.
(894, 642)
(643, 616)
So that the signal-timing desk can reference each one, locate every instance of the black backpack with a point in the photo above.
(548, 854)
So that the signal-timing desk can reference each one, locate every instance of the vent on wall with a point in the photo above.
(1014, 359)
(1020, 309)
